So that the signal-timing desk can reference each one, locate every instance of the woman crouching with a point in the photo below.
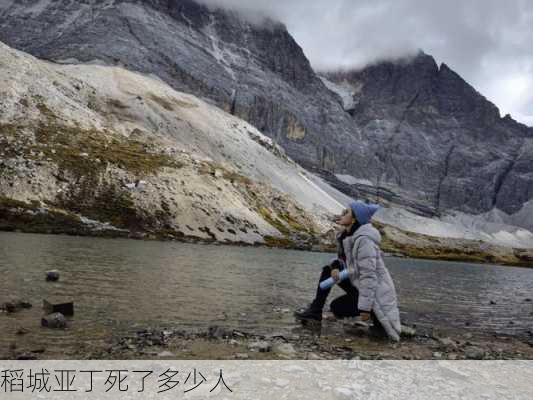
(370, 292)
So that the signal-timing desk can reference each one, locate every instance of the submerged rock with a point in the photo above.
(52, 276)
(38, 350)
(26, 356)
(22, 331)
(8, 306)
(23, 304)
(12, 306)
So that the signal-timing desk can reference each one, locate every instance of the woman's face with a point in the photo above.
(346, 218)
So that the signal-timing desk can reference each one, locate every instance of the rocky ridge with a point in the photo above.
(410, 133)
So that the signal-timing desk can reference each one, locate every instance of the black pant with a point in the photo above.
(343, 306)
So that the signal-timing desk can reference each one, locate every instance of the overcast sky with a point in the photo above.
(488, 42)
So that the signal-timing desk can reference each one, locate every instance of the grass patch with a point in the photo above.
(26, 217)
(82, 157)
(21, 216)
(86, 152)
(294, 224)
(107, 204)
(273, 241)
(10, 133)
(276, 223)
(44, 110)
(7, 202)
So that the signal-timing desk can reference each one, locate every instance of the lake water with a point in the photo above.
(120, 286)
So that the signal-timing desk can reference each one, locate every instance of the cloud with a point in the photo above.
(488, 42)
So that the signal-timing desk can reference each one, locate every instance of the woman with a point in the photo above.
(370, 292)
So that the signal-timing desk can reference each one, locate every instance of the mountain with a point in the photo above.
(409, 133)
(103, 151)
(89, 149)
(433, 132)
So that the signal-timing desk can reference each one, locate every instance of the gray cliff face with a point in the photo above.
(257, 73)
(431, 130)
(417, 134)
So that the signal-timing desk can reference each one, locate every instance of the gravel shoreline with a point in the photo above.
(334, 340)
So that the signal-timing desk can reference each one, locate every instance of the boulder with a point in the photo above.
(474, 353)
(313, 356)
(58, 306)
(260, 346)
(54, 321)
(408, 331)
(284, 348)
(217, 332)
(447, 343)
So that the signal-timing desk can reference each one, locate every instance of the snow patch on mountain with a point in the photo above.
(345, 90)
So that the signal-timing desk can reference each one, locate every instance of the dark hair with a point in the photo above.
(344, 235)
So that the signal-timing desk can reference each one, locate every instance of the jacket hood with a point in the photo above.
(369, 231)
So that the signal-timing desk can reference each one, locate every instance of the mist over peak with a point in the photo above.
(486, 42)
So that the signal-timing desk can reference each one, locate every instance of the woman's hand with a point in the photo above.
(335, 274)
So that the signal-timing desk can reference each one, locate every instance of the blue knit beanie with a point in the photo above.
(362, 211)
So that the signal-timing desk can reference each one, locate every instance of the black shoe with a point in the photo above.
(309, 314)
(377, 332)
